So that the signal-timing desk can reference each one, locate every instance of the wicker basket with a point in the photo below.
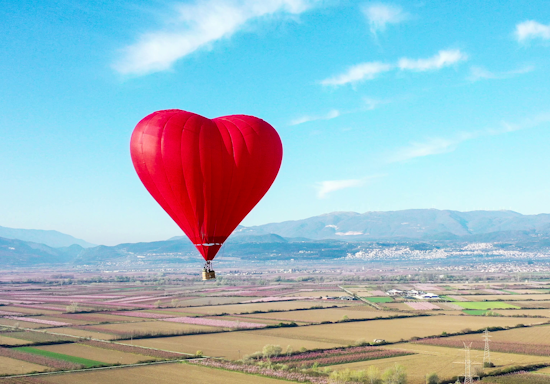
(208, 275)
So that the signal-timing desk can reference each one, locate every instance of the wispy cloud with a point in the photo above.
(442, 59)
(433, 146)
(197, 25)
(368, 104)
(370, 70)
(380, 15)
(437, 146)
(531, 29)
(305, 119)
(371, 103)
(357, 73)
(480, 73)
(326, 187)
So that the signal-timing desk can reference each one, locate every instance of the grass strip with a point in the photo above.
(379, 299)
(60, 356)
(485, 305)
(475, 312)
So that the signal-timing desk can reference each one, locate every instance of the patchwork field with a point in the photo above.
(247, 308)
(9, 366)
(441, 360)
(83, 333)
(319, 315)
(485, 305)
(391, 329)
(22, 324)
(523, 312)
(4, 340)
(149, 327)
(230, 345)
(161, 374)
(529, 335)
(122, 309)
(98, 354)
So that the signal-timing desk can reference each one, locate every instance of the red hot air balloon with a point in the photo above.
(206, 174)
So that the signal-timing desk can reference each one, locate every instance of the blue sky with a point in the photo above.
(380, 105)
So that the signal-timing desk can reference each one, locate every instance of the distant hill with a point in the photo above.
(22, 253)
(411, 224)
(325, 237)
(53, 239)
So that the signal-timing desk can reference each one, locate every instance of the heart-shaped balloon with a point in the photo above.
(206, 174)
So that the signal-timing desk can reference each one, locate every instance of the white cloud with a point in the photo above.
(305, 119)
(480, 73)
(371, 104)
(437, 146)
(530, 122)
(434, 146)
(531, 29)
(326, 187)
(195, 26)
(368, 71)
(442, 59)
(359, 72)
(380, 15)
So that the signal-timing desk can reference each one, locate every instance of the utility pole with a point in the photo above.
(486, 351)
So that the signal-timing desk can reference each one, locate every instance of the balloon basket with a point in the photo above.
(208, 275)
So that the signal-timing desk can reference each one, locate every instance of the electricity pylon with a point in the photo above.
(468, 379)
(486, 351)
(467, 364)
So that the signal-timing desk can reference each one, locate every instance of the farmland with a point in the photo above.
(485, 305)
(105, 356)
(231, 345)
(163, 374)
(441, 360)
(311, 328)
(390, 330)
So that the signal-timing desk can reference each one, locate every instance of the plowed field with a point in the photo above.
(240, 308)
(229, 344)
(391, 329)
(99, 354)
(160, 374)
(10, 366)
(319, 315)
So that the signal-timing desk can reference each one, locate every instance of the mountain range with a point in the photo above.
(411, 224)
(48, 237)
(330, 235)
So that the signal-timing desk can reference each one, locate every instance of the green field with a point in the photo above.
(509, 292)
(484, 305)
(475, 312)
(379, 299)
(448, 298)
(73, 359)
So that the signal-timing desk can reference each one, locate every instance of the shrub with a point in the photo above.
(395, 375)
(271, 350)
(432, 378)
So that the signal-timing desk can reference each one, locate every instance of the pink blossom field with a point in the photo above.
(422, 306)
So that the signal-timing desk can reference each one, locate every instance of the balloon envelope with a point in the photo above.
(206, 174)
